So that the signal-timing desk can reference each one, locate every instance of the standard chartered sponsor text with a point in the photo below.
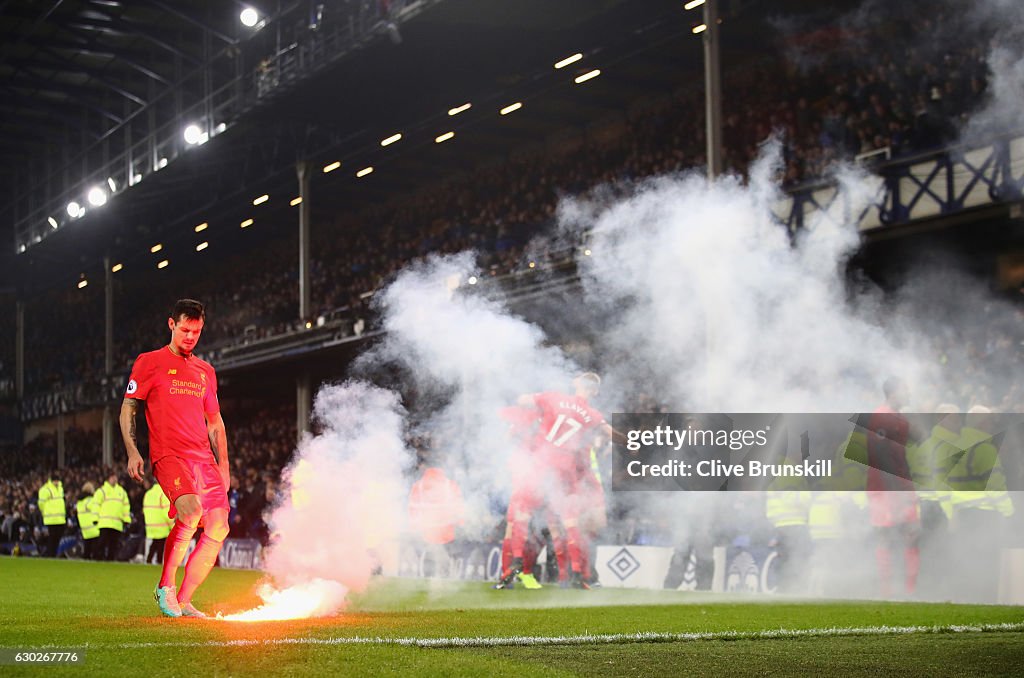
(181, 387)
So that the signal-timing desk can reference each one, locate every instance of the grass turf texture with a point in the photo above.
(109, 608)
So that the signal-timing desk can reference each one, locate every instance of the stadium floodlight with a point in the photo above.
(333, 166)
(700, 28)
(512, 107)
(135, 178)
(164, 264)
(363, 172)
(156, 248)
(568, 60)
(309, 324)
(161, 163)
(587, 76)
(472, 280)
(82, 283)
(297, 200)
(116, 267)
(202, 246)
(249, 17)
(533, 264)
(52, 221)
(247, 223)
(112, 184)
(201, 227)
(587, 252)
(97, 197)
(693, 4)
(391, 139)
(260, 200)
(444, 137)
(459, 109)
(192, 134)
(74, 210)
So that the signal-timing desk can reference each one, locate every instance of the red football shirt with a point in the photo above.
(566, 425)
(179, 392)
(891, 497)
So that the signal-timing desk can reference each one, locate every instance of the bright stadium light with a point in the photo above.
(700, 29)
(116, 267)
(52, 221)
(202, 246)
(472, 280)
(82, 283)
(693, 4)
(333, 166)
(459, 109)
(363, 172)
(163, 264)
(568, 60)
(444, 137)
(391, 139)
(247, 223)
(156, 248)
(297, 200)
(97, 196)
(74, 210)
(260, 200)
(112, 184)
(193, 134)
(512, 107)
(587, 252)
(161, 163)
(202, 227)
(587, 76)
(249, 17)
(533, 264)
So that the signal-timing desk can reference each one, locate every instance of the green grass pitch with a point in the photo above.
(109, 610)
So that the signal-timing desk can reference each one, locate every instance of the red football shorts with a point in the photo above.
(179, 476)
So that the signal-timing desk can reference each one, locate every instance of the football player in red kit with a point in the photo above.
(183, 415)
(892, 499)
(560, 451)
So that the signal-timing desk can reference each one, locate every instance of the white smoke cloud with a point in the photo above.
(717, 306)
(342, 507)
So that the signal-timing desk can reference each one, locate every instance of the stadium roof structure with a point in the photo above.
(81, 76)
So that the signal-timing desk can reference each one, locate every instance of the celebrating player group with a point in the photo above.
(555, 481)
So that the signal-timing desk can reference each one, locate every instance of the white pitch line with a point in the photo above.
(585, 639)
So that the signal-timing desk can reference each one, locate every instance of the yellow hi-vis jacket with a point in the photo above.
(930, 464)
(786, 504)
(87, 518)
(51, 503)
(110, 503)
(977, 480)
(155, 506)
(824, 515)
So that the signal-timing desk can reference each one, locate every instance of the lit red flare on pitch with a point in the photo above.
(316, 598)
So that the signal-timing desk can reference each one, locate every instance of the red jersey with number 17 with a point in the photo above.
(179, 393)
(566, 424)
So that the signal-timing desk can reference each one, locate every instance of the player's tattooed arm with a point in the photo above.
(218, 435)
(136, 465)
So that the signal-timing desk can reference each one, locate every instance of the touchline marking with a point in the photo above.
(585, 639)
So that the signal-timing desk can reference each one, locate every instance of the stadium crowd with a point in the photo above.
(849, 100)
